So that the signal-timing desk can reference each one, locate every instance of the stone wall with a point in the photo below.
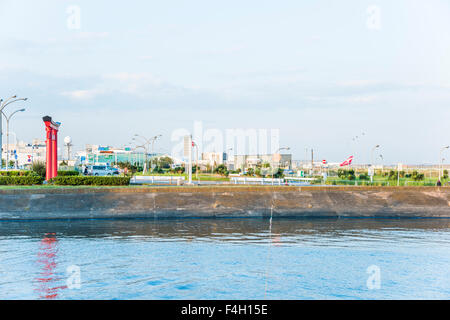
(224, 201)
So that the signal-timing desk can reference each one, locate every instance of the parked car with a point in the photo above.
(102, 170)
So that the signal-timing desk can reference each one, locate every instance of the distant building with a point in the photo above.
(252, 161)
(24, 154)
(97, 154)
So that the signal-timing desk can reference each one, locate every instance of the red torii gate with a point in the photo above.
(51, 164)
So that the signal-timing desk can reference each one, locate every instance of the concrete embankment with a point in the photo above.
(224, 201)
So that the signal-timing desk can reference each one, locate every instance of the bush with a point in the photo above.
(178, 170)
(15, 173)
(222, 170)
(393, 175)
(39, 168)
(21, 180)
(157, 170)
(445, 176)
(90, 181)
(364, 176)
(68, 173)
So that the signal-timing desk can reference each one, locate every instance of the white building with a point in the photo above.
(23, 154)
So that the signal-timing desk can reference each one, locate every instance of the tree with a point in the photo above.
(164, 162)
(222, 170)
(279, 174)
(250, 172)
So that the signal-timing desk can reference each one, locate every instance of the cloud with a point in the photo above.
(83, 94)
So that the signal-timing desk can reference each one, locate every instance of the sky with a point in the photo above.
(321, 72)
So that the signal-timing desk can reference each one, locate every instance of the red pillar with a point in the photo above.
(55, 153)
(48, 158)
(52, 147)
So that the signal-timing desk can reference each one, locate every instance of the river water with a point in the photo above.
(226, 259)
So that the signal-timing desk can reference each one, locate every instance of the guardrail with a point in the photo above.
(249, 180)
(157, 179)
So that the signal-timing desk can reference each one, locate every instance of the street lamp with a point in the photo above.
(441, 160)
(3, 104)
(372, 171)
(7, 133)
(146, 142)
(279, 149)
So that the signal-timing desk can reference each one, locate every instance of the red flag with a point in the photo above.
(347, 162)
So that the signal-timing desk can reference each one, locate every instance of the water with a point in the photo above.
(225, 259)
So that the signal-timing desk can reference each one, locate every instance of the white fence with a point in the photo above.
(157, 179)
(245, 180)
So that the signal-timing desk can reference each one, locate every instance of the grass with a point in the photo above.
(384, 181)
(201, 176)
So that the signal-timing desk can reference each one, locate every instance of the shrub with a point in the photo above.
(21, 180)
(90, 181)
(445, 176)
(393, 175)
(279, 174)
(38, 168)
(178, 170)
(158, 170)
(364, 176)
(222, 170)
(68, 173)
(15, 173)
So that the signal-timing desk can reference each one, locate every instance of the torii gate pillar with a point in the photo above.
(51, 164)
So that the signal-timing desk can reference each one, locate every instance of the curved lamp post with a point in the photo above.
(3, 104)
(145, 145)
(7, 133)
(371, 163)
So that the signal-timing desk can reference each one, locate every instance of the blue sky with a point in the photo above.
(313, 69)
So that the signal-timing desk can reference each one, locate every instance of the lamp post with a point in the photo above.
(7, 133)
(3, 104)
(355, 140)
(146, 142)
(441, 160)
(382, 164)
(372, 172)
(279, 149)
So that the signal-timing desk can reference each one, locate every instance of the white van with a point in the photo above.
(101, 170)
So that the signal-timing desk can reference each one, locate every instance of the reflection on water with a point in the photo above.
(225, 258)
(48, 250)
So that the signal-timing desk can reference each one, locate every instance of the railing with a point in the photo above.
(157, 179)
(249, 180)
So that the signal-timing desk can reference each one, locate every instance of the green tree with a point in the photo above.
(222, 170)
(279, 174)
(164, 162)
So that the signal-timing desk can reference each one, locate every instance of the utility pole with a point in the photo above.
(312, 162)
